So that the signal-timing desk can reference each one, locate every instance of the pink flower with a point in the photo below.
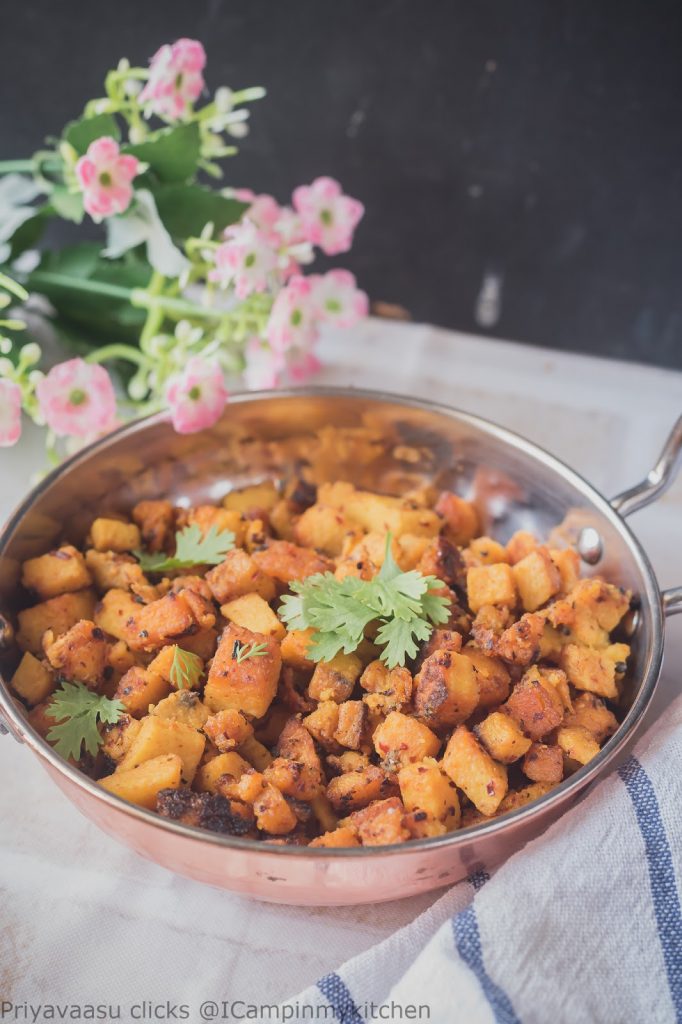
(293, 317)
(105, 175)
(263, 366)
(328, 216)
(197, 396)
(10, 413)
(244, 260)
(265, 213)
(337, 299)
(77, 399)
(303, 366)
(175, 79)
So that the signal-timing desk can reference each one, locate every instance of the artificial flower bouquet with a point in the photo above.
(193, 287)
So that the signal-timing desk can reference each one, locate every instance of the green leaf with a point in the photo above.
(186, 209)
(172, 153)
(85, 130)
(339, 611)
(68, 205)
(77, 711)
(95, 318)
(191, 548)
(186, 669)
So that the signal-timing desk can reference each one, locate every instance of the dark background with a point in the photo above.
(537, 142)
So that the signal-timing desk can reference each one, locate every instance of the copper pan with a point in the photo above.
(393, 443)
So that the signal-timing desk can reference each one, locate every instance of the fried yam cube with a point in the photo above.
(205, 810)
(248, 685)
(81, 654)
(485, 551)
(143, 784)
(239, 575)
(114, 535)
(345, 835)
(295, 649)
(424, 786)
(461, 517)
(535, 704)
(158, 736)
(519, 644)
(494, 681)
(537, 579)
(595, 670)
(385, 689)
(118, 737)
(58, 572)
(322, 723)
(227, 729)
(115, 614)
(567, 561)
(214, 773)
(256, 497)
(491, 585)
(474, 771)
(446, 689)
(592, 714)
(114, 571)
(381, 824)
(183, 706)
(285, 562)
(335, 679)
(172, 617)
(400, 740)
(577, 743)
(156, 520)
(358, 788)
(254, 613)
(521, 544)
(502, 737)
(544, 762)
(57, 614)
(33, 680)
(352, 724)
(323, 528)
(444, 561)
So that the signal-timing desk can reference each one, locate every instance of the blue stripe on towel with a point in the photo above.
(468, 942)
(664, 893)
(337, 993)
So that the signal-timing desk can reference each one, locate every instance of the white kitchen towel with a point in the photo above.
(583, 926)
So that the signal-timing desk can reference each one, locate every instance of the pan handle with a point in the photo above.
(657, 480)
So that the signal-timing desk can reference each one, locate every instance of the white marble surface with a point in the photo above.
(69, 894)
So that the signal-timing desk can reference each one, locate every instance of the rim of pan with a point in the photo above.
(651, 605)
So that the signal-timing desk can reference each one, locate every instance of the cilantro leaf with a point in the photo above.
(186, 669)
(77, 711)
(191, 548)
(242, 652)
(400, 604)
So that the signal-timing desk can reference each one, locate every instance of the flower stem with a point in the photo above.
(17, 166)
(119, 351)
(40, 279)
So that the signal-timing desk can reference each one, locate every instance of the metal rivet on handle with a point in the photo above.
(590, 545)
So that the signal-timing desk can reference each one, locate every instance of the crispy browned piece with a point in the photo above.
(535, 705)
(359, 788)
(385, 689)
(442, 559)
(228, 729)
(446, 690)
(381, 824)
(239, 574)
(248, 685)
(285, 562)
(205, 810)
(544, 762)
(81, 654)
(170, 619)
(352, 726)
(156, 521)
